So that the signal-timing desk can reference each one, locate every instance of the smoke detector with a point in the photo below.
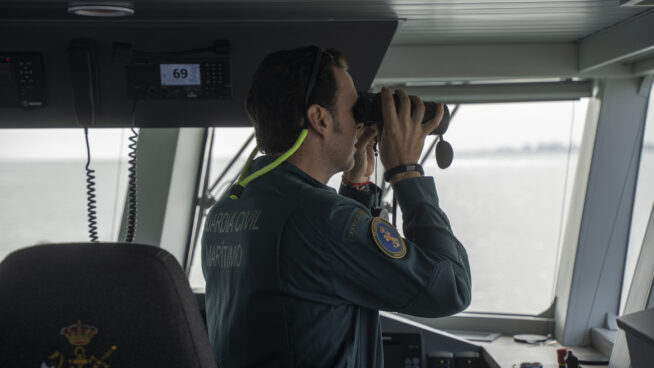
(101, 8)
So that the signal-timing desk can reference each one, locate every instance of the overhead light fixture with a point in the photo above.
(101, 8)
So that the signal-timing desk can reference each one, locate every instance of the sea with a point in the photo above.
(508, 210)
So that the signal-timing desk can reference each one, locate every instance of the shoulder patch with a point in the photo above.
(387, 238)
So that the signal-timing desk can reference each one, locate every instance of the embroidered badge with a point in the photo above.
(352, 228)
(78, 335)
(387, 238)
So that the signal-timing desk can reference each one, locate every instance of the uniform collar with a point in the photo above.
(289, 169)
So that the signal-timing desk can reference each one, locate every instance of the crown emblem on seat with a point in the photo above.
(79, 334)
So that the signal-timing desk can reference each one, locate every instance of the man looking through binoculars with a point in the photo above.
(296, 273)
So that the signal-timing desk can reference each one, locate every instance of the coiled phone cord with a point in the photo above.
(131, 183)
(90, 192)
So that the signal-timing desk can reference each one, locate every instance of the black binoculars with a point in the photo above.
(368, 110)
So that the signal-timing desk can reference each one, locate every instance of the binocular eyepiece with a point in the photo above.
(368, 110)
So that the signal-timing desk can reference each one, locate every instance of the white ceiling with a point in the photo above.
(509, 21)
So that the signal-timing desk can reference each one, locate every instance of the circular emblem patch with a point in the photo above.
(387, 238)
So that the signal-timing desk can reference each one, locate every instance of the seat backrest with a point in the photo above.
(84, 305)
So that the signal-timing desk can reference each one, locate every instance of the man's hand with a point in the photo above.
(403, 136)
(364, 156)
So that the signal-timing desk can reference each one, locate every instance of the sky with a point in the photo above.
(475, 127)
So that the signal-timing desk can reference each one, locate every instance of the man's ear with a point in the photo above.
(318, 118)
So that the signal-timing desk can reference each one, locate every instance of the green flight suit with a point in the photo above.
(295, 277)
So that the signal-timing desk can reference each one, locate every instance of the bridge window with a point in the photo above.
(43, 185)
(506, 195)
(643, 201)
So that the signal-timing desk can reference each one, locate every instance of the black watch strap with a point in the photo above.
(402, 168)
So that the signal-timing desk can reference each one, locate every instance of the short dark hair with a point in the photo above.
(276, 100)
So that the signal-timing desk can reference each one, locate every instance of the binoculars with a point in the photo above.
(368, 110)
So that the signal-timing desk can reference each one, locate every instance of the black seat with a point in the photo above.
(99, 305)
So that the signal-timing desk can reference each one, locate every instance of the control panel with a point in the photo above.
(402, 350)
(22, 80)
(180, 79)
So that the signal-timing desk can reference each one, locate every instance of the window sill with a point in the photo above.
(503, 324)
(603, 339)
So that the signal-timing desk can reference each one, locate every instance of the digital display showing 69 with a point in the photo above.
(180, 75)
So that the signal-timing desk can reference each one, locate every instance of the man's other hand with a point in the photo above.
(364, 156)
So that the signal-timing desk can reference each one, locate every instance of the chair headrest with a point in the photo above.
(124, 304)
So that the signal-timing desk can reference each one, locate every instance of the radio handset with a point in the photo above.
(86, 98)
(85, 80)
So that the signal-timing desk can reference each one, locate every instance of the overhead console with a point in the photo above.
(169, 74)
(181, 75)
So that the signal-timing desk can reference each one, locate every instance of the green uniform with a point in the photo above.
(296, 273)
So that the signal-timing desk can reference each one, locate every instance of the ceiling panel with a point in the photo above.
(465, 22)
(424, 22)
